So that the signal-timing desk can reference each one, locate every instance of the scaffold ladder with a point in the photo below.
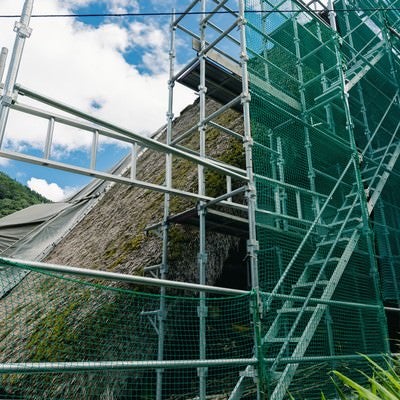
(324, 270)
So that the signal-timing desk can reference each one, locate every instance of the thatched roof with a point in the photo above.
(50, 319)
(112, 236)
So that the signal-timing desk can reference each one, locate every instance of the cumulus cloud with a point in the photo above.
(4, 162)
(86, 66)
(51, 191)
(121, 6)
(156, 40)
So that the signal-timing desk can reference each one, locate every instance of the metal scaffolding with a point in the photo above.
(317, 87)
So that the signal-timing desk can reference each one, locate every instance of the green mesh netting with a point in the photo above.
(327, 223)
(319, 157)
(49, 318)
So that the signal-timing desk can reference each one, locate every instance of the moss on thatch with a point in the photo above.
(112, 237)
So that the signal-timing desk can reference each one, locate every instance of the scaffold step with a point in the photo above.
(338, 223)
(306, 285)
(345, 233)
(371, 178)
(295, 310)
(283, 340)
(351, 194)
(329, 95)
(375, 154)
(378, 158)
(149, 313)
(322, 261)
(363, 65)
(348, 207)
(371, 169)
(330, 242)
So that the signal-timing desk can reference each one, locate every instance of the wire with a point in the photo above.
(170, 13)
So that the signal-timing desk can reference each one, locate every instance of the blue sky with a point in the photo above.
(115, 68)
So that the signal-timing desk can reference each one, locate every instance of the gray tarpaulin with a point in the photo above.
(31, 234)
(16, 226)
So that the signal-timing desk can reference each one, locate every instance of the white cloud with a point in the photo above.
(122, 6)
(156, 40)
(51, 191)
(84, 65)
(4, 162)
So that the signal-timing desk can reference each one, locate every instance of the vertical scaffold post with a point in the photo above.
(162, 313)
(3, 60)
(202, 256)
(366, 131)
(305, 116)
(252, 244)
(22, 31)
(388, 45)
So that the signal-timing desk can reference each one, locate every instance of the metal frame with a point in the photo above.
(207, 41)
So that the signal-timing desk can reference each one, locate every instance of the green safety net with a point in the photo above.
(327, 222)
(323, 150)
(52, 318)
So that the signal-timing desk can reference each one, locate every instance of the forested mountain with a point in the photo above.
(14, 196)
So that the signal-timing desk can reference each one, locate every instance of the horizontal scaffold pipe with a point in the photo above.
(110, 177)
(113, 276)
(214, 115)
(224, 197)
(276, 215)
(187, 10)
(212, 12)
(115, 131)
(275, 182)
(337, 140)
(56, 367)
(392, 309)
(323, 359)
(219, 38)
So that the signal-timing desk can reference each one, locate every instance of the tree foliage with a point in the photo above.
(14, 196)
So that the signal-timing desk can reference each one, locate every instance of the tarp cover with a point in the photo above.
(16, 226)
(30, 234)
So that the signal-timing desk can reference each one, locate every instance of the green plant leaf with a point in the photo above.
(363, 392)
(390, 375)
(383, 390)
(339, 391)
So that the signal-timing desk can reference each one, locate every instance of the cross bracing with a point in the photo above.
(317, 85)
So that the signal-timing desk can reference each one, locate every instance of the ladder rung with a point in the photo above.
(283, 340)
(308, 284)
(331, 92)
(373, 175)
(326, 98)
(338, 223)
(322, 261)
(295, 310)
(372, 172)
(382, 156)
(375, 155)
(369, 169)
(345, 208)
(145, 313)
(331, 241)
